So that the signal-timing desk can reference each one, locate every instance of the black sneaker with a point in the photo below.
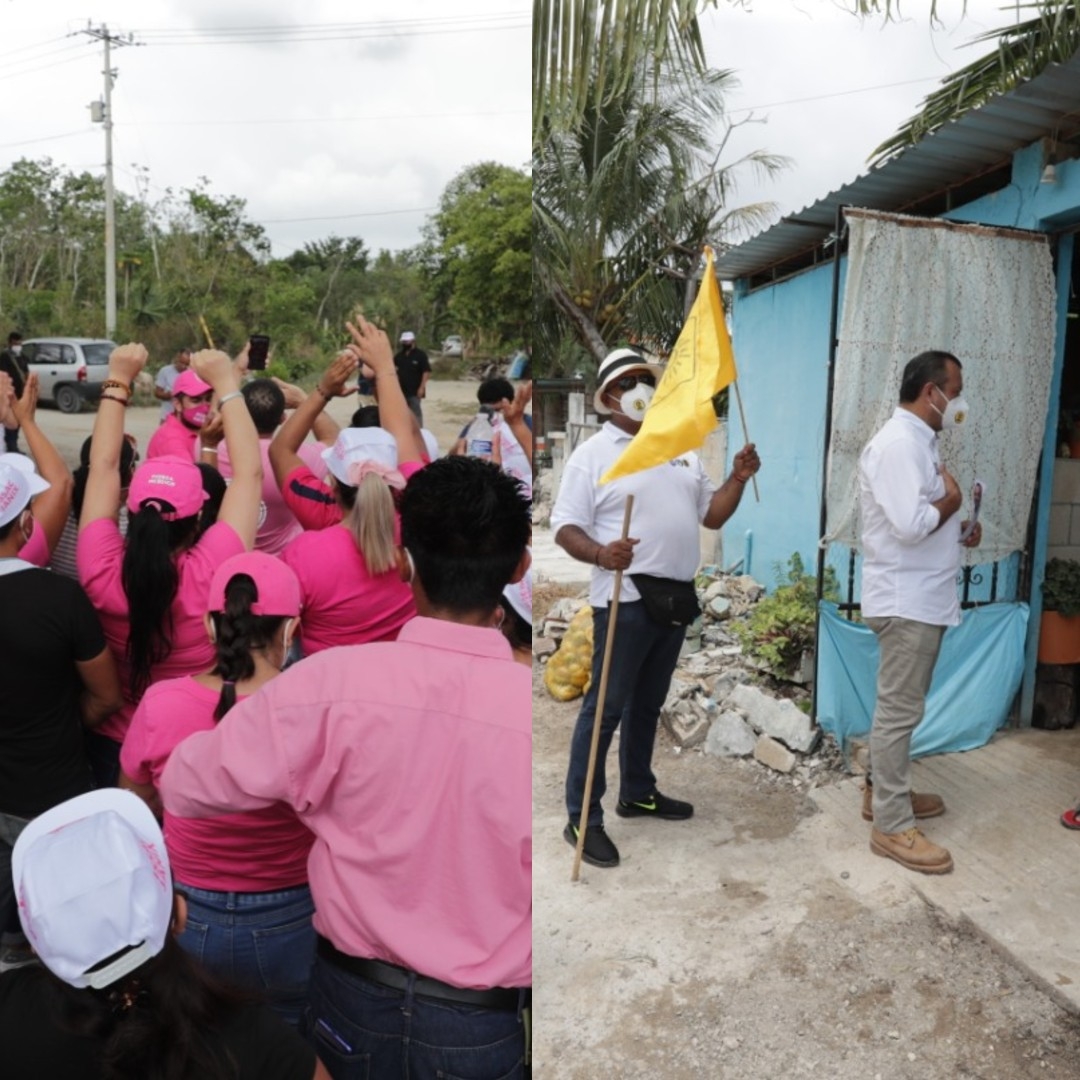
(655, 805)
(599, 849)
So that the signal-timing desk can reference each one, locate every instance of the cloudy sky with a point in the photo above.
(829, 87)
(327, 116)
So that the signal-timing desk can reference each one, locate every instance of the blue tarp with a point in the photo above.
(977, 676)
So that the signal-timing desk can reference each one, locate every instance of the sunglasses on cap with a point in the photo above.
(628, 382)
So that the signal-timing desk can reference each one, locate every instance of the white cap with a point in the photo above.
(408, 335)
(519, 594)
(19, 483)
(356, 445)
(92, 881)
(614, 366)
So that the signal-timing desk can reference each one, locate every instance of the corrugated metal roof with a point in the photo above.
(976, 143)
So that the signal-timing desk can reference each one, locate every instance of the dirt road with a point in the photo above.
(724, 949)
(448, 406)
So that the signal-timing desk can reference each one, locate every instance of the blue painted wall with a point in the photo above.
(780, 336)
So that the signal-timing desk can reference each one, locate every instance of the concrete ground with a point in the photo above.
(763, 937)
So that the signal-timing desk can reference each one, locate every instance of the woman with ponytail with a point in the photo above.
(150, 587)
(351, 584)
(244, 875)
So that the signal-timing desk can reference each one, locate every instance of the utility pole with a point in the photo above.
(101, 112)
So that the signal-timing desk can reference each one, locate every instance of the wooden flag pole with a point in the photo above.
(206, 333)
(613, 612)
(742, 417)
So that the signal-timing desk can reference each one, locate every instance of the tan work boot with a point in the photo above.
(922, 805)
(911, 849)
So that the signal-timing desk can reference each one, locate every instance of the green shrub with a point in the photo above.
(781, 627)
(1061, 587)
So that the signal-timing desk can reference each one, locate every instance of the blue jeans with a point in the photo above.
(363, 1030)
(263, 941)
(642, 663)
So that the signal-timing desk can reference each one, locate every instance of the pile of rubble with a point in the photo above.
(720, 701)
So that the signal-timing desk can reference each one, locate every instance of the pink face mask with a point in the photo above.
(195, 415)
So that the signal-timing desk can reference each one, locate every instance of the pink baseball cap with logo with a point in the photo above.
(170, 480)
(19, 483)
(187, 382)
(278, 588)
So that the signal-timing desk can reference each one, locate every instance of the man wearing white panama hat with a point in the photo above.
(670, 501)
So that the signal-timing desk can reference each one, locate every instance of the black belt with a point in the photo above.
(504, 999)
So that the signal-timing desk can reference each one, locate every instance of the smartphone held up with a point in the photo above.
(258, 350)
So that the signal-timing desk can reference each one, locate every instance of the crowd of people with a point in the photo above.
(268, 750)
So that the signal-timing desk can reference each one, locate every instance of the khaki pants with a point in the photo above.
(909, 650)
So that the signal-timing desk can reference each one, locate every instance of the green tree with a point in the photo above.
(623, 205)
(479, 250)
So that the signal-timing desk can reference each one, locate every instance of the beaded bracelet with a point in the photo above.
(109, 397)
(116, 384)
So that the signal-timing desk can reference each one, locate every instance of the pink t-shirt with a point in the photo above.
(255, 851)
(100, 558)
(36, 549)
(173, 437)
(343, 603)
(411, 762)
(310, 499)
(277, 523)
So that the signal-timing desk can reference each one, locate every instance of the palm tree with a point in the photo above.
(584, 52)
(623, 204)
(1023, 50)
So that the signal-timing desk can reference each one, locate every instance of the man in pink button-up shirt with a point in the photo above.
(410, 761)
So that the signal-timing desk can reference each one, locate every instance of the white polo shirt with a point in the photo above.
(909, 569)
(670, 501)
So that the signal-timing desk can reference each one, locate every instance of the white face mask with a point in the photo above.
(955, 414)
(635, 403)
(16, 350)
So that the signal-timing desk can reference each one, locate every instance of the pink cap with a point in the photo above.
(171, 480)
(277, 587)
(187, 382)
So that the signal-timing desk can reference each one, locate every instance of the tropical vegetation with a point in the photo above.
(196, 257)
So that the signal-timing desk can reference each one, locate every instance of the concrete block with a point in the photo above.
(774, 754)
(730, 736)
(1066, 483)
(772, 716)
(720, 607)
(1061, 515)
(543, 647)
(686, 725)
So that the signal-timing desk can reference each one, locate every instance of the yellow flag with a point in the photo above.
(681, 414)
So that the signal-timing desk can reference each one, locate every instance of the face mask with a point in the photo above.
(195, 416)
(635, 403)
(955, 414)
(16, 350)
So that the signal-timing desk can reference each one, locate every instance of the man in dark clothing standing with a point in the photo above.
(413, 368)
(12, 363)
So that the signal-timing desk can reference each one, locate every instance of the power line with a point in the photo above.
(328, 119)
(393, 26)
(25, 48)
(23, 72)
(45, 138)
(343, 217)
(836, 94)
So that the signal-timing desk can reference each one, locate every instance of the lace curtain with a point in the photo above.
(986, 295)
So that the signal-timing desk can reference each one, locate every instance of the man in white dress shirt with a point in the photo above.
(911, 555)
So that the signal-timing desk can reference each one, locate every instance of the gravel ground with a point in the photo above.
(722, 947)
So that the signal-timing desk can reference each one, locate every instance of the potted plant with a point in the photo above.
(1059, 630)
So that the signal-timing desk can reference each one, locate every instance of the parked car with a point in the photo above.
(453, 346)
(69, 370)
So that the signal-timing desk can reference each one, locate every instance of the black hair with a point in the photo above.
(492, 391)
(13, 337)
(5, 530)
(150, 580)
(266, 403)
(80, 475)
(238, 634)
(158, 1023)
(466, 523)
(213, 483)
(365, 416)
(931, 366)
